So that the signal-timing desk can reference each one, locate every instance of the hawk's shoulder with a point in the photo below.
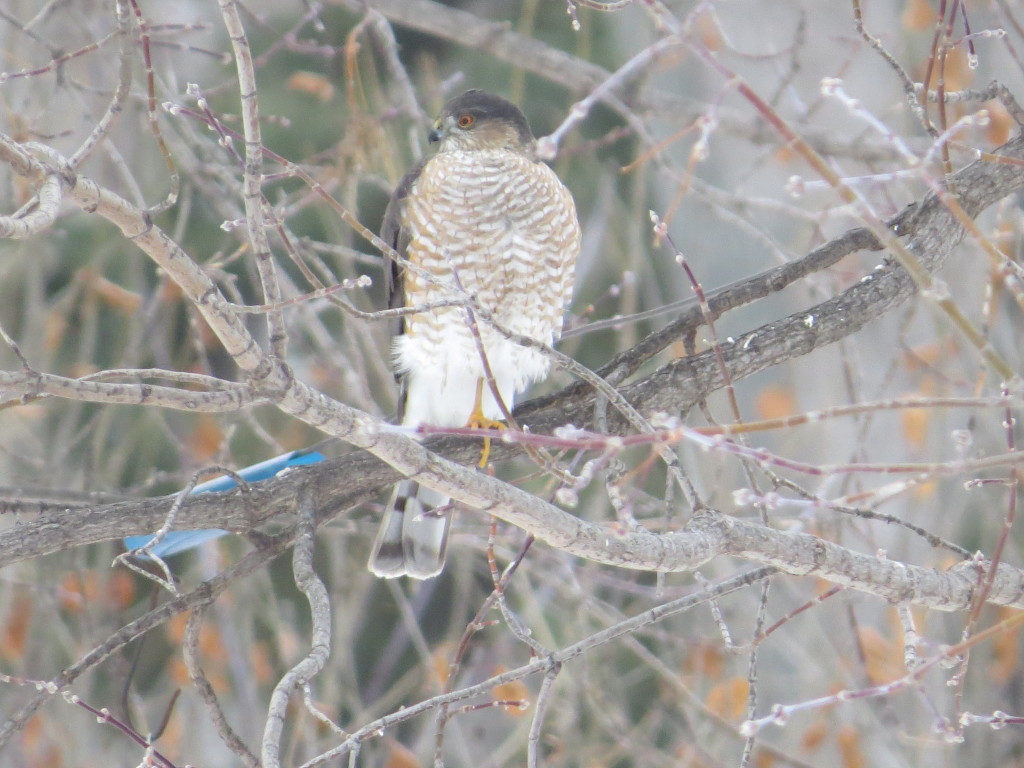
(391, 228)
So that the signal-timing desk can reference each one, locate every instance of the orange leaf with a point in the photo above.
(82, 369)
(178, 730)
(775, 402)
(174, 629)
(34, 733)
(211, 643)
(54, 328)
(924, 491)
(784, 155)
(515, 690)
(814, 736)
(312, 83)
(440, 663)
(708, 31)
(959, 74)
(928, 354)
(178, 672)
(206, 439)
(14, 631)
(915, 426)
(215, 673)
(706, 660)
(400, 756)
(125, 301)
(120, 589)
(689, 755)
(259, 663)
(956, 72)
(884, 659)
(1000, 124)
(170, 292)
(729, 699)
(918, 15)
(37, 748)
(850, 751)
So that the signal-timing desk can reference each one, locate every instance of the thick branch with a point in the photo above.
(672, 388)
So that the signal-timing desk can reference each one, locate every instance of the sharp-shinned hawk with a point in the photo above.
(485, 219)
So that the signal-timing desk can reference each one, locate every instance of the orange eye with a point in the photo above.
(466, 120)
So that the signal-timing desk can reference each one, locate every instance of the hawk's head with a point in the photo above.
(481, 120)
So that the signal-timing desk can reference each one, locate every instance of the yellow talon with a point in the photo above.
(477, 420)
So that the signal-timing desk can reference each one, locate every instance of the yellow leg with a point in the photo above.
(477, 420)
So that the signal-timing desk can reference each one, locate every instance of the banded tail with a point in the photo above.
(412, 539)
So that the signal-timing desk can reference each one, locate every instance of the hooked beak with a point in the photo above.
(439, 131)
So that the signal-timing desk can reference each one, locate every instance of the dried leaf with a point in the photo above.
(14, 630)
(400, 756)
(775, 402)
(312, 83)
(849, 743)
(729, 699)
(918, 15)
(514, 690)
(1000, 124)
(113, 295)
(915, 426)
(884, 658)
(814, 736)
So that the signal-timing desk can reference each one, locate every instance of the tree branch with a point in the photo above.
(673, 388)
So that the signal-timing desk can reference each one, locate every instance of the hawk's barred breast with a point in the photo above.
(506, 227)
